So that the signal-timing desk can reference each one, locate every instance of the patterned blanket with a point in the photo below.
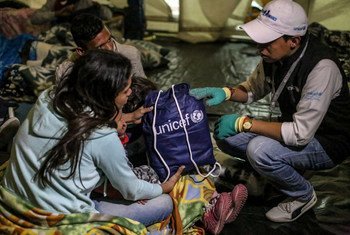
(17, 21)
(338, 40)
(190, 195)
(24, 81)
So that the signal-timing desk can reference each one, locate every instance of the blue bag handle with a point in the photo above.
(210, 173)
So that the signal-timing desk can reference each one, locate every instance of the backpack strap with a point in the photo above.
(155, 137)
(210, 173)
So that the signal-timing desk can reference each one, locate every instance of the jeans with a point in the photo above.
(155, 210)
(282, 165)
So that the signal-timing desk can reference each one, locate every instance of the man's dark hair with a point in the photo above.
(84, 28)
(287, 37)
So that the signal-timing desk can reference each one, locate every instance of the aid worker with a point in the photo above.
(307, 83)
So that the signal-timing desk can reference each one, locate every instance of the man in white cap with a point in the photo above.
(306, 81)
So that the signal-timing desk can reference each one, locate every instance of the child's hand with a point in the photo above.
(142, 202)
(135, 117)
(121, 124)
(169, 185)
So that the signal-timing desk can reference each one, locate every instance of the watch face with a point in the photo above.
(247, 125)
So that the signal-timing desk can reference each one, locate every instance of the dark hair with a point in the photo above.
(84, 28)
(85, 98)
(287, 37)
(140, 88)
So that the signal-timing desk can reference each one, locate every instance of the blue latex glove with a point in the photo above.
(226, 126)
(216, 95)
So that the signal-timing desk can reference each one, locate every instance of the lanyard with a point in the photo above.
(277, 93)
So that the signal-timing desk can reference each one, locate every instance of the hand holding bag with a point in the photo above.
(177, 132)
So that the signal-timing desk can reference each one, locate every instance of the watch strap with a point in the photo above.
(250, 121)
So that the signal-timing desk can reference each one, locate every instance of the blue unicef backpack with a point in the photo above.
(177, 132)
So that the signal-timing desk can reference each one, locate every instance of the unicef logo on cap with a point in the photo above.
(197, 116)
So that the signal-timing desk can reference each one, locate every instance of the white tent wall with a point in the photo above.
(158, 10)
(159, 16)
(333, 14)
(33, 3)
(39, 3)
(199, 20)
(237, 17)
(117, 3)
(208, 20)
(204, 20)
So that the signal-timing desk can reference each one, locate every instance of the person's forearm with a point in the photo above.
(136, 116)
(128, 117)
(268, 129)
(239, 94)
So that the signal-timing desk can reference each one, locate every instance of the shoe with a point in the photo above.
(239, 196)
(214, 218)
(290, 210)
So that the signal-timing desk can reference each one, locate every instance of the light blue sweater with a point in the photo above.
(103, 155)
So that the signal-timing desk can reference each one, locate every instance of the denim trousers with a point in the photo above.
(282, 165)
(153, 211)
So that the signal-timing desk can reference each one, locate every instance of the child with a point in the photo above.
(67, 146)
(134, 144)
(136, 147)
(143, 172)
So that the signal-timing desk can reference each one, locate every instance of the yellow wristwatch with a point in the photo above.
(247, 125)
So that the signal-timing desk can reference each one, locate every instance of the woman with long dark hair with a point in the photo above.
(68, 145)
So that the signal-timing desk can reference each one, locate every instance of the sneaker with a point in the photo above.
(214, 218)
(290, 210)
(239, 196)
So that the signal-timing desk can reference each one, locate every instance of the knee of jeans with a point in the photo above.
(166, 203)
(257, 153)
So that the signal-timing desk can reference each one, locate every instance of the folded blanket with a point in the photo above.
(190, 196)
(18, 216)
(338, 40)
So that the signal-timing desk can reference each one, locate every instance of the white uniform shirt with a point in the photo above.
(323, 84)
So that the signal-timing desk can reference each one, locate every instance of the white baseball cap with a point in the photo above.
(278, 18)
